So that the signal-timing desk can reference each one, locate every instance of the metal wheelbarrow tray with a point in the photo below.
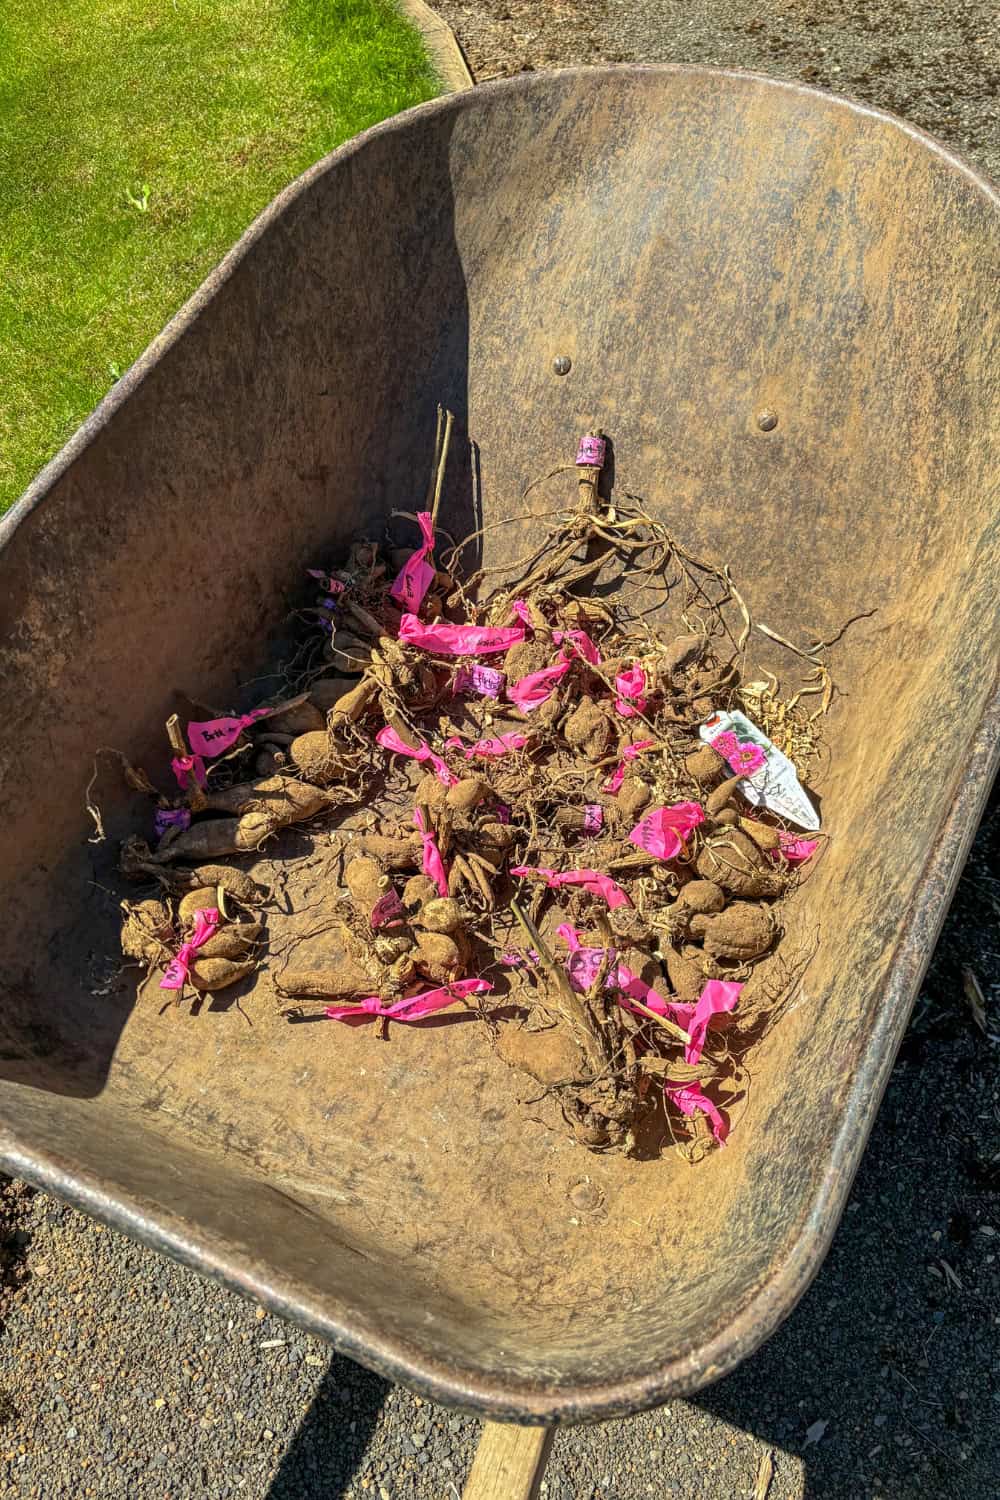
(701, 246)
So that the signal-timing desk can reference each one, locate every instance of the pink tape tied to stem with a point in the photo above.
(690, 1100)
(795, 850)
(632, 987)
(593, 817)
(390, 740)
(211, 737)
(417, 573)
(590, 452)
(536, 688)
(411, 1009)
(389, 908)
(662, 832)
(631, 689)
(165, 818)
(187, 768)
(584, 964)
(458, 640)
(486, 681)
(332, 585)
(206, 920)
(592, 881)
(628, 755)
(433, 864)
(718, 997)
(501, 744)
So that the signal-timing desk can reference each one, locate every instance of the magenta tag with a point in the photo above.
(590, 453)
(388, 909)
(486, 681)
(502, 812)
(593, 817)
(163, 819)
(332, 585)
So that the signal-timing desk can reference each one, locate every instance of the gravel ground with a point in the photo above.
(935, 61)
(122, 1374)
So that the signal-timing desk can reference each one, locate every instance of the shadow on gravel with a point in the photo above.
(325, 1452)
(894, 1345)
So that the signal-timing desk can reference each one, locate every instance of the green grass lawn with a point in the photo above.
(138, 139)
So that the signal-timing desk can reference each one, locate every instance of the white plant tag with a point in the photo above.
(776, 785)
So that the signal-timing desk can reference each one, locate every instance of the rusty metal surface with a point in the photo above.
(704, 248)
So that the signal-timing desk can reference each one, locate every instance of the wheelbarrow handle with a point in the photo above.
(509, 1462)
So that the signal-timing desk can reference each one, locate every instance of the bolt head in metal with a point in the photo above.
(562, 364)
(767, 420)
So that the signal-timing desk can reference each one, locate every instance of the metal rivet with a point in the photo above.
(767, 420)
(562, 364)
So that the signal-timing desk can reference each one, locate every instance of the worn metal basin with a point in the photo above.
(702, 246)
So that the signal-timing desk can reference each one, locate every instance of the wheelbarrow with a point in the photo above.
(782, 308)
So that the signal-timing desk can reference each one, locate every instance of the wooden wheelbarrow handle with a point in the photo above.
(509, 1462)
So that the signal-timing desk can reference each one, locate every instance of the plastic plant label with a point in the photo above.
(775, 785)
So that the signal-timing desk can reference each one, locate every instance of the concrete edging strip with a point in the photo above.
(441, 43)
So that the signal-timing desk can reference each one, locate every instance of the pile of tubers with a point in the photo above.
(470, 787)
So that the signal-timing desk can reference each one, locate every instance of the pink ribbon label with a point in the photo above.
(537, 687)
(794, 849)
(662, 832)
(332, 585)
(632, 987)
(486, 681)
(590, 453)
(584, 964)
(417, 573)
(205, 922)
(186, 767)
(163, 819)
(628, 754)
(718, 997)
(458, 640)
(388, 909)
(592, 881)
(502, 812)
(390, 740)
(593, 817)
(411, 1009)
(631, 688)
(212, 736)
(433, 864)
(690, 1100)
(503, 744)
(580, 641)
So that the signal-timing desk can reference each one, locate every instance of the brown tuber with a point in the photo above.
(146, 930)
(743, 931)
(203, 898)
(438, 957)
(633, 796)
(367, 883)
(218, 973)
(733, 861)
(316, 757)
(442, 914)
(701, 896)
(466, 795)
(418, 890)
(588, 729)
(704, 765)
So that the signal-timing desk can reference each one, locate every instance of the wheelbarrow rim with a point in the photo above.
(771, 1301)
